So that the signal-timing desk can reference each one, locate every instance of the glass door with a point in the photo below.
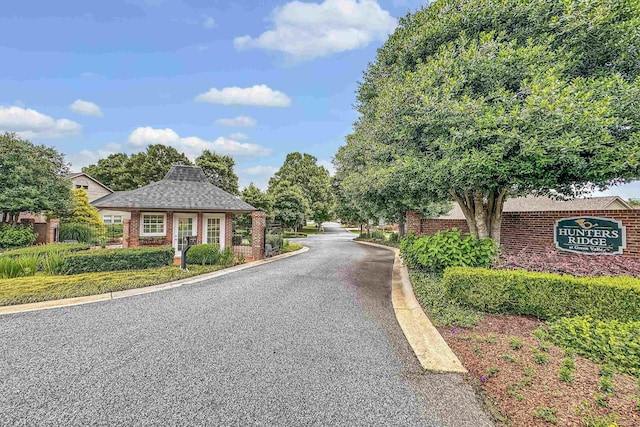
(184, 225)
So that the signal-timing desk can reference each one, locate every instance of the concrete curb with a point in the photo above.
(44, 305)
(428, 345)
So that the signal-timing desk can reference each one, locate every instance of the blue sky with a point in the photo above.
(253, 79)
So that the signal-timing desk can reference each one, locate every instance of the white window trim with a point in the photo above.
(205, 218)
(142, 233)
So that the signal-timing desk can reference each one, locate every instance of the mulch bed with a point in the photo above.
(499, 371)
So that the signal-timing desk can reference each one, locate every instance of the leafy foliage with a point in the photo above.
(82, 233)
(601, 341)
(32, 178)
(118, 259)
(545, 295)
(83, 212)
(204, 255)
(219, 170)
(289, 207)
(18, 267)
(15, 236)
(122, 172)
(432, 296)
(447, 249)
(478, 100)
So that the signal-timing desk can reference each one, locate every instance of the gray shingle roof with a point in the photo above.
(540, 203)
(183, 188)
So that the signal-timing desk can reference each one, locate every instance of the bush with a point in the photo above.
(577, 265)
(545, 295)
(611, 342)
(203, 255)
(15, 236)
(447, 249)
(118, 259)
(58, 248)
(274, 239)
(227, 257)
(114, 230)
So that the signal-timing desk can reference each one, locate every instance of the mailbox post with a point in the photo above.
(189, 241)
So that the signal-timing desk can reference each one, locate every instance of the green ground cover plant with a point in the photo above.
(290, 247)
(612, 342)
(118, 259)
(447, 249)
(45, 288)
(15, 236)
(544, 295)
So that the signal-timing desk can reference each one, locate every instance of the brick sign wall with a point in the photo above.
(533, 231)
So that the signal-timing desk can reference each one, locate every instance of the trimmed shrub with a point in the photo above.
(16, 236)
(58, 248)
(545, 295)
(203, 255)
(447, 249)
(611, 342)
(118, 259)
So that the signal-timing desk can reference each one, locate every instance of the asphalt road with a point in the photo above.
(309, 340)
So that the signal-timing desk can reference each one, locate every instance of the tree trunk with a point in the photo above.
(483, 212)
(401, 223)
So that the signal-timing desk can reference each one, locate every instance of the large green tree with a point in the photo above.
(32, 178)
(121, 172)
(219, 170)
(257, 198)
(479, 100)
(303, 172)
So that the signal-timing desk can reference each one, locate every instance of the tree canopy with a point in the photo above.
(122, 172)
(219, 170)
(479, 100)
(302, 172)
(32, 178)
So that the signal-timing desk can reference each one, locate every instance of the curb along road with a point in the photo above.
(428, 345)
(44, 305)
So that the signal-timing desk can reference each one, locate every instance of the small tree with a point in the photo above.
(83, 212)
(289, 207)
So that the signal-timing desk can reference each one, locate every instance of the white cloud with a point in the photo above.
(258, 95)
(240, 121)
(85, 108)
(91, 75)
(202, 48)
(265, 171)
(209, 22)
(88, 157)
(30, 124)
(311, 30)
(192, 146)
(239, 135)
(148, 135)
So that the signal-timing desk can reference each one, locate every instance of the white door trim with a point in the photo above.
(177, 216)
(220, 216)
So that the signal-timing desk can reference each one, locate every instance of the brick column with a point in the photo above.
(126, 232)
(228, 230)
(199, 227)
(258, 225)
(413, 222)
(168, 236)
(134, 229)
(53, 230)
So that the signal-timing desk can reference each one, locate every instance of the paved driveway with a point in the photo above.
(309, 340)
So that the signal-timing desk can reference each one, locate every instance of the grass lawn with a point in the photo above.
(309, 230)
(38, 288)
(291, 247)
(527, 381)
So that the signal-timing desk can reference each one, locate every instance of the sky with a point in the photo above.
(254, 79)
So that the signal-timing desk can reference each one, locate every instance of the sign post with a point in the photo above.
(590, 236)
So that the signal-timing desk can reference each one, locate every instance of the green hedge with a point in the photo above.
(545, 295)
(58, 248)
(203, 255)
(118, 259)
(612, 342)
